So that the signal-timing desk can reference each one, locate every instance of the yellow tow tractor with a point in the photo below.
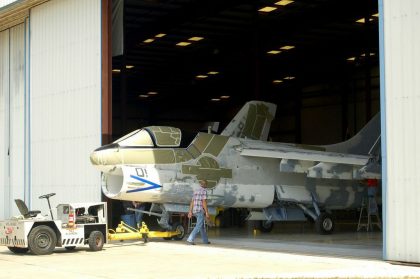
(126, 232)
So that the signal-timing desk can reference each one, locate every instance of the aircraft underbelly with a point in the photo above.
(330, 193)
(242, 196)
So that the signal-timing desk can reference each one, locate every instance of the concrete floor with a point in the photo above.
(295, 252)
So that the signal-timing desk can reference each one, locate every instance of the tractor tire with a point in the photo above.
(325, 223)
(179, 227)
(96, 241)
(18, 250)
(42, 240)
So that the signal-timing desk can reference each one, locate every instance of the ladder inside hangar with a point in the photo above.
(369, 215)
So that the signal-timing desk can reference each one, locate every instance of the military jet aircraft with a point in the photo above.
(275, 181)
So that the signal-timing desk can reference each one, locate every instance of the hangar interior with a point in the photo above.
(187, 62)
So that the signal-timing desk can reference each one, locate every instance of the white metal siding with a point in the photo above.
(17, 113)
(65, 91)
(4, 130)
(400, 93)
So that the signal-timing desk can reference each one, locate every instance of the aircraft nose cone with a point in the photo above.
(94, 158)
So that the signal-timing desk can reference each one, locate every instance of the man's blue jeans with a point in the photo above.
(139, 215)
(199, 227)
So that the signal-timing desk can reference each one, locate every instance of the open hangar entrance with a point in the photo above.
(188, 63)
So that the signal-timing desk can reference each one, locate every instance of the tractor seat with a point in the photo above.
(23, 209)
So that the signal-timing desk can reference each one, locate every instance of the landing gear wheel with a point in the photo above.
(324, 224)
(181, 229)
(265, 226)
(70, 248)
(42, 240)
(96, 241)
(18, 250)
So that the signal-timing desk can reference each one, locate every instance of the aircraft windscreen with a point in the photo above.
(136, 138)
(126, 136)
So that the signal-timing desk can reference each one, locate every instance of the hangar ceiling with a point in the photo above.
(238, 50)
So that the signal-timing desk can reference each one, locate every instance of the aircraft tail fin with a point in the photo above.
(366, 141)
(253, 121)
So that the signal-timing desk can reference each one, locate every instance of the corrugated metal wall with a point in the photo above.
(4, 121)
(17, 114)
(65, 89)
(12, 123)
(400, 98)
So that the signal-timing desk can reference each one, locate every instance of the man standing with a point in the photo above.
(139, 215)
(198, 208)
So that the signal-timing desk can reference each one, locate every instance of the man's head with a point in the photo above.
(203, 183)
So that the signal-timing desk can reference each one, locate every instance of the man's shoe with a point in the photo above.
(190, 243)
(208, 242)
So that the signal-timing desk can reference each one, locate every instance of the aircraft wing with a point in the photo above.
(316, 164)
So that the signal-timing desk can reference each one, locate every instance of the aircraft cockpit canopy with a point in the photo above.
(165, 136)
(160, 136)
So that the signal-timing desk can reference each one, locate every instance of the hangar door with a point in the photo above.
(50, 105)
(12, 116)
(65, 88)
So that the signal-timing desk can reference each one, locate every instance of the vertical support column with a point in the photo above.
(123, 95)
(106, 72)
(123, 88)
(107, 82)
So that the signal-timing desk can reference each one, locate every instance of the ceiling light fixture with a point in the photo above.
(215, 99)
(152, 93)
(284, 2)
(116, 70)
(224, 97)
(201, 76)
(143, 96)
(212, 73)
(273, 52)
(351, 58)
(376, 15)
(287, 47)
(129, 66)
(277, 81)
(267, 9)
(289, 78)
(195, 39)
(148, 41)
(160, 35)
(362, 20)
(182, 44)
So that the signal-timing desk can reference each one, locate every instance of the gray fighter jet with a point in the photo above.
(275, 181)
